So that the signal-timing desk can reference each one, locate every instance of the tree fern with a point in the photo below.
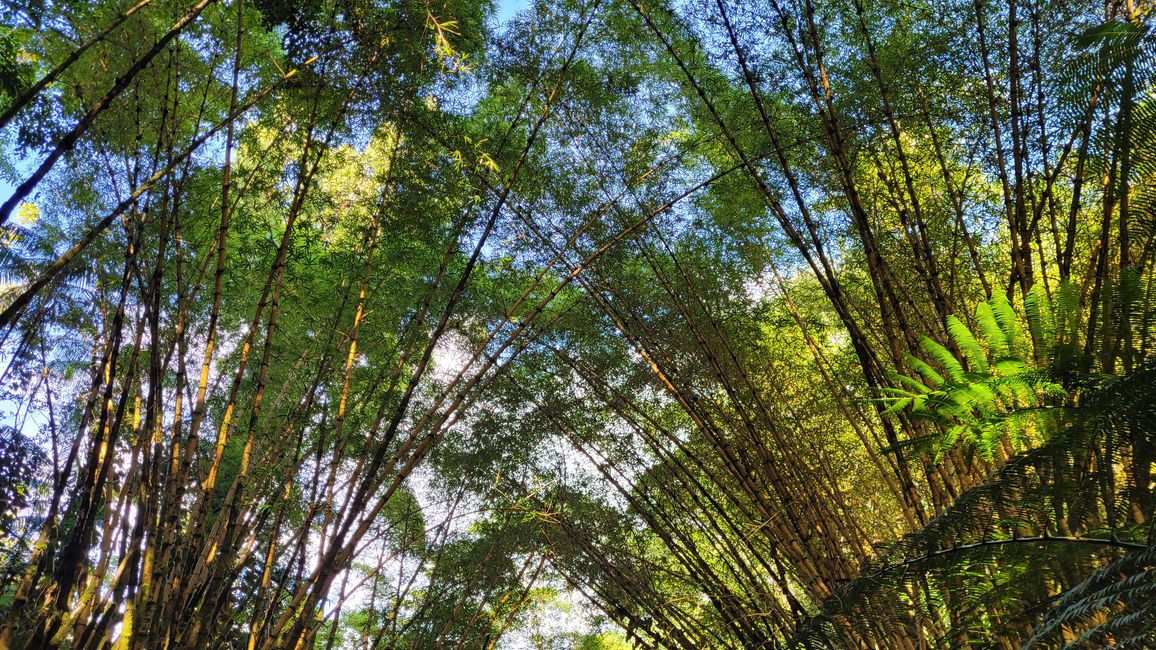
(1041, 322)
(989, 392)
(1115, 605)
(1059, 517)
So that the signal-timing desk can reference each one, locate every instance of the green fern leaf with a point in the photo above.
(914, 383)
(1005, 317)
(896, 392)
(1039, 311)
(930, 376)
(897, 406)
(1068, 312)
(966, 341)
(1008, 367)
(992, 333)
(944, 358)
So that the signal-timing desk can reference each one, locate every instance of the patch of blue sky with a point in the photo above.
(505, 10)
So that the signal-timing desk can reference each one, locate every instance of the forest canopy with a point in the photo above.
(577, 324)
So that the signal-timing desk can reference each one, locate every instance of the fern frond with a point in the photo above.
(930, 376)
(917, 385)
(1068, 312)
(1063, 507)
(1008, 322)
(898, 404)
(1008, 367)
(976, 358)
(1041, 323)
(993, 334)
(944, 358)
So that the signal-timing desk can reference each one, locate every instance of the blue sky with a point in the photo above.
(507, 8)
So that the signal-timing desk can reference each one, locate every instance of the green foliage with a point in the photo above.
(1027, 533)
(17, 67)
(603, 641)
(20, 468)
(581, 306)
(991, 391)
(1115, 605)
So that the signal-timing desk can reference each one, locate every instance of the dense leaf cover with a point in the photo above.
(577, 324)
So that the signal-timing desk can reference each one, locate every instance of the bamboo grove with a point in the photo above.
(578, 324)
